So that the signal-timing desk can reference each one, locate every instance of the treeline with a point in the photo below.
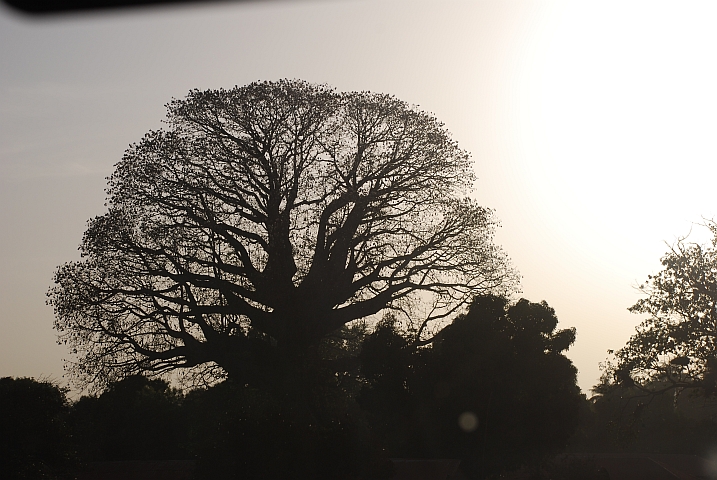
(493, 389)
(627, 420)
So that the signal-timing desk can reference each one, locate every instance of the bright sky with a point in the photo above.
(591, 123)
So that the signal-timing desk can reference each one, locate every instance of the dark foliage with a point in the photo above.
(240, 432)
(494, 389)
(231, 431)
(134, 419)
(34, 442)
(628, 420)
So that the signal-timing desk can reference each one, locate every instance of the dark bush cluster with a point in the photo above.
(230, 431)
(622, 419)
(34, 435)
(493, 389)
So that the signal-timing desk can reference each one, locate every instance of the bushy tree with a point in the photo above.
(676, 346)
(263, 219)
(493, 389)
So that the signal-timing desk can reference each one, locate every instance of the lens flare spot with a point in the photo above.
(468, 421)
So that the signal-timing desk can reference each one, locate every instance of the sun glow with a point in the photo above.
(614, 108)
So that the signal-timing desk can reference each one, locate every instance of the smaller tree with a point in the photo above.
(676, 346)
(493, 389)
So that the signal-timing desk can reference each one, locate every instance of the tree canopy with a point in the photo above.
(676, 347)
(262, 219)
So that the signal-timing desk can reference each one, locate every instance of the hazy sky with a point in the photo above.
(592, 126)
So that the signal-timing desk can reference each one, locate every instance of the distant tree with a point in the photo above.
(265, 218)
(134, 419)
(676, 347)
(34, 439)
(494, 388)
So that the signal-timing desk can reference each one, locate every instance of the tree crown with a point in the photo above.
(262, 219)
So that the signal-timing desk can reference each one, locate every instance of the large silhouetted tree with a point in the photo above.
(263, 219)
(676, 346)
